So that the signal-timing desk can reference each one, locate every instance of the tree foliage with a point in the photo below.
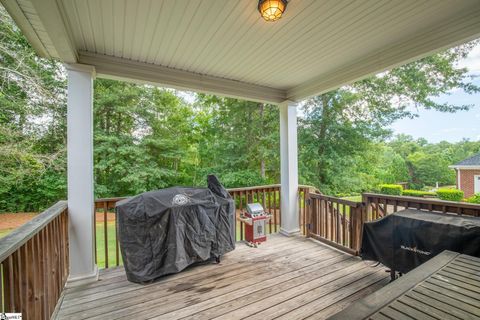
(147, 138)
(340, 129)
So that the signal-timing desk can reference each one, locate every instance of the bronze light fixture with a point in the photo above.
(272, 10)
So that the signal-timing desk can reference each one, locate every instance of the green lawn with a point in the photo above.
(354, 198)
(111, 244)
(3, 233)
(111, 236)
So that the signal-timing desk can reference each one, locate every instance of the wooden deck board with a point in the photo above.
(445, 287)
(290, 278)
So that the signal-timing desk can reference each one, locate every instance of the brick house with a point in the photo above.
(468, 175)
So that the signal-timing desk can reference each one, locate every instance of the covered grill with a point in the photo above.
(164, 231)
(408, 238)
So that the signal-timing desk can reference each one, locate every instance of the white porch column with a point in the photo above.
(80, 173)
(289, 168)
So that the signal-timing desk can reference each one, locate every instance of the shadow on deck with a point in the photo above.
(285, 278)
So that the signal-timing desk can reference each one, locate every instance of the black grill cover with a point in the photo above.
(164, 231)
(406, 239)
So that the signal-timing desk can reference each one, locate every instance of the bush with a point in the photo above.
(474, 199)
(418, 193)
(450, 194)
(391, 189)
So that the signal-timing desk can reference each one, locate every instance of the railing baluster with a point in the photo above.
(10, 289)
(275, 208)
(332, 221)
(323, 223)
(2, 280)
(31, 277)
(105, 232)
(41, 270)
(240, 208)
(350, 228)
(25, 279)
(344, 225)
(117, 244)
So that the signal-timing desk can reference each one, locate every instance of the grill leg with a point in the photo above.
(392, 275)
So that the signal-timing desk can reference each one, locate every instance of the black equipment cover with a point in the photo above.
(164, 231)
(405, 239)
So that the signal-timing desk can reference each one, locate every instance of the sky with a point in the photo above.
(437, 126)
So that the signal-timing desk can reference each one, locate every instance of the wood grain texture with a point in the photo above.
(14, 240)
(445, 287)
(34, 274)
(280, 276)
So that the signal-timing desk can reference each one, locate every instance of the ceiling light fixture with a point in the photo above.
(272, 10)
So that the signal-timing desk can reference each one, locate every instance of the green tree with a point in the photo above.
(32, 124)
(142, 138)
(340, 126)
(238, 140)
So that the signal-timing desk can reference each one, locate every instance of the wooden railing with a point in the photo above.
(335, 221)
(34, 264)
(267, 196)
(380, 205)
(107, 246)
(106, 239)
(339, 222)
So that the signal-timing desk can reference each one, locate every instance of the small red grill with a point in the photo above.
(255, 219)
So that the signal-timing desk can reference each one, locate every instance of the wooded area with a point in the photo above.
(147, 138)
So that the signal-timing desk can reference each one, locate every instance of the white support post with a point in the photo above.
(289, 169)
(80, 174)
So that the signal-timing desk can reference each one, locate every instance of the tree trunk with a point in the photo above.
(262, 168)
(262, 133)
(322, 135)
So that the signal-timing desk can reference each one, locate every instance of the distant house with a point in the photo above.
(468, 175)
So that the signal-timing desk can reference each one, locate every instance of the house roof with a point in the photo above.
(473, 161)
(226, 48)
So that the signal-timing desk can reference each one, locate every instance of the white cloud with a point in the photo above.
(449, 130)
(472, 61)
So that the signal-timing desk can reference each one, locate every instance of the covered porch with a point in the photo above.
(224, 48)
(286, 278)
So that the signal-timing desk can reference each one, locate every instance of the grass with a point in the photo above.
(111, 236)
(4, 232)
(354, 198)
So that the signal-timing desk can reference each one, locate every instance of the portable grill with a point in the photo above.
(403, 240)
(255, 219)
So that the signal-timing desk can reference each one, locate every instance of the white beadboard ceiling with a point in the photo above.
(225, 47)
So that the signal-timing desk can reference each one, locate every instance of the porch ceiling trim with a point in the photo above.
(455, 31)
(53, 33)
(124, 69)
(24, 24)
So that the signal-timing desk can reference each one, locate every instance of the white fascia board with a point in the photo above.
(50, 13)
(124, 69)
(452, 32)
(22, 22)
(465, 167)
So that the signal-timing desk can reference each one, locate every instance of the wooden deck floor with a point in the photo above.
(285, 278)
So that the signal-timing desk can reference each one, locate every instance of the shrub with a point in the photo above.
(474, 199)
(450, 194)
(391, 189)
(418, 193)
